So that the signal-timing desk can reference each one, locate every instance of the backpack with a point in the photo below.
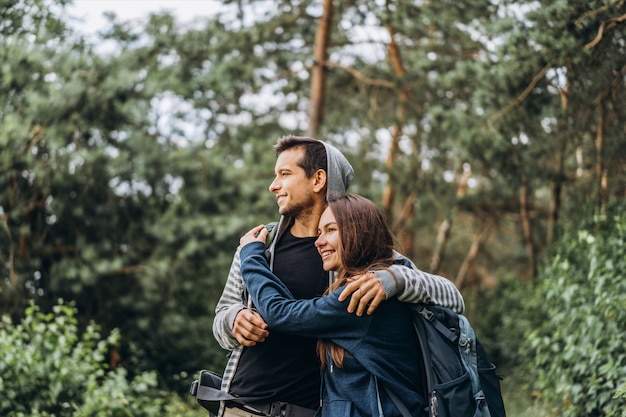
(457, 376)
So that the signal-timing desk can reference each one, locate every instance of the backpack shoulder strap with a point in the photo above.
(467, 343)
(469, 356)
(398, 402)
(271, 229)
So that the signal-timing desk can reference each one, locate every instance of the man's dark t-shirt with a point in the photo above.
(286, 367)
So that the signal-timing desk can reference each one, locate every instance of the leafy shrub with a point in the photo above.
(621, 396)
(576, 347)
(48, 369)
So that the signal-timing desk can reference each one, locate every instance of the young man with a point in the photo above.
(279, 374)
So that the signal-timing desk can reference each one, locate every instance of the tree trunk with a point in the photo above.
(600, 173)
(318, 76)
(527, 229)
(442, 238)
(388, 191)
(558, 170)
(400, 117)
(408, 234)
(467, 268)
(444, 228)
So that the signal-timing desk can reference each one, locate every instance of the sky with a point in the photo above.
(91, 11)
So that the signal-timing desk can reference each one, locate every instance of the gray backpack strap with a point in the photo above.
(271, 229)
(397, 401)
(467, 349)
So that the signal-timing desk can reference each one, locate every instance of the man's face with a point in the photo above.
(294, 191)
(328, 242)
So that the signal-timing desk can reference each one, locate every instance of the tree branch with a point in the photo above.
(479, 238)
(525, 93)
(605, 27)
(616, 81)
(359, 76)
(596, 12)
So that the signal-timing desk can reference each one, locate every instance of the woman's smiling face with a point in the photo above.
(328, 242)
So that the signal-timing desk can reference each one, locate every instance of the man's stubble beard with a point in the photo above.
(298, 210)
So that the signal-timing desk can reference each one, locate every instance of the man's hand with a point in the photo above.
(249, 327)
(367, 293)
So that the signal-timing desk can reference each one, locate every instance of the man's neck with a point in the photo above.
(304, 229)
(307, 224)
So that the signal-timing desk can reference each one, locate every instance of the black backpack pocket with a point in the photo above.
(490, 382)
(446, 399)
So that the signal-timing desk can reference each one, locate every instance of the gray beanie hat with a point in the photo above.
(339, 172)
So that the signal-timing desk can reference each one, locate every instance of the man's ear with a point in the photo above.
(319, 180)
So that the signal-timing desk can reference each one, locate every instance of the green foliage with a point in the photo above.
(50, 368)
(496, 329)
(116, 396)
(620, 396)
(177, 406)
(576, 342)
(127, 174)
(104, 203)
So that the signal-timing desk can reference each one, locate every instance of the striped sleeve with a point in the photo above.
(232, 300)
(415, 286)
(230, 303)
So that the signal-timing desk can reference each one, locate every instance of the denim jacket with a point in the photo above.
(380, 350)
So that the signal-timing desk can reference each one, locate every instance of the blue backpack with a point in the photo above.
(457, 376)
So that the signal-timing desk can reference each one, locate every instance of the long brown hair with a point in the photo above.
(366, 244)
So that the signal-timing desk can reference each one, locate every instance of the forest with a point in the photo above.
(492, 133)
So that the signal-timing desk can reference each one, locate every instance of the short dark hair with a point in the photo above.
(315, 156)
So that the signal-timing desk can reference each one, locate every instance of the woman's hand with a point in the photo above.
(256, 234)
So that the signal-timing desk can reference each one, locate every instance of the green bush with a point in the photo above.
(47, 368)
(576, 345)
(621, 396)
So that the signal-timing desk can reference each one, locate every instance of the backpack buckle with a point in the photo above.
(427, 314)
(277, 409)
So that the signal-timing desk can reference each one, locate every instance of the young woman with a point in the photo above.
(363, 358)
